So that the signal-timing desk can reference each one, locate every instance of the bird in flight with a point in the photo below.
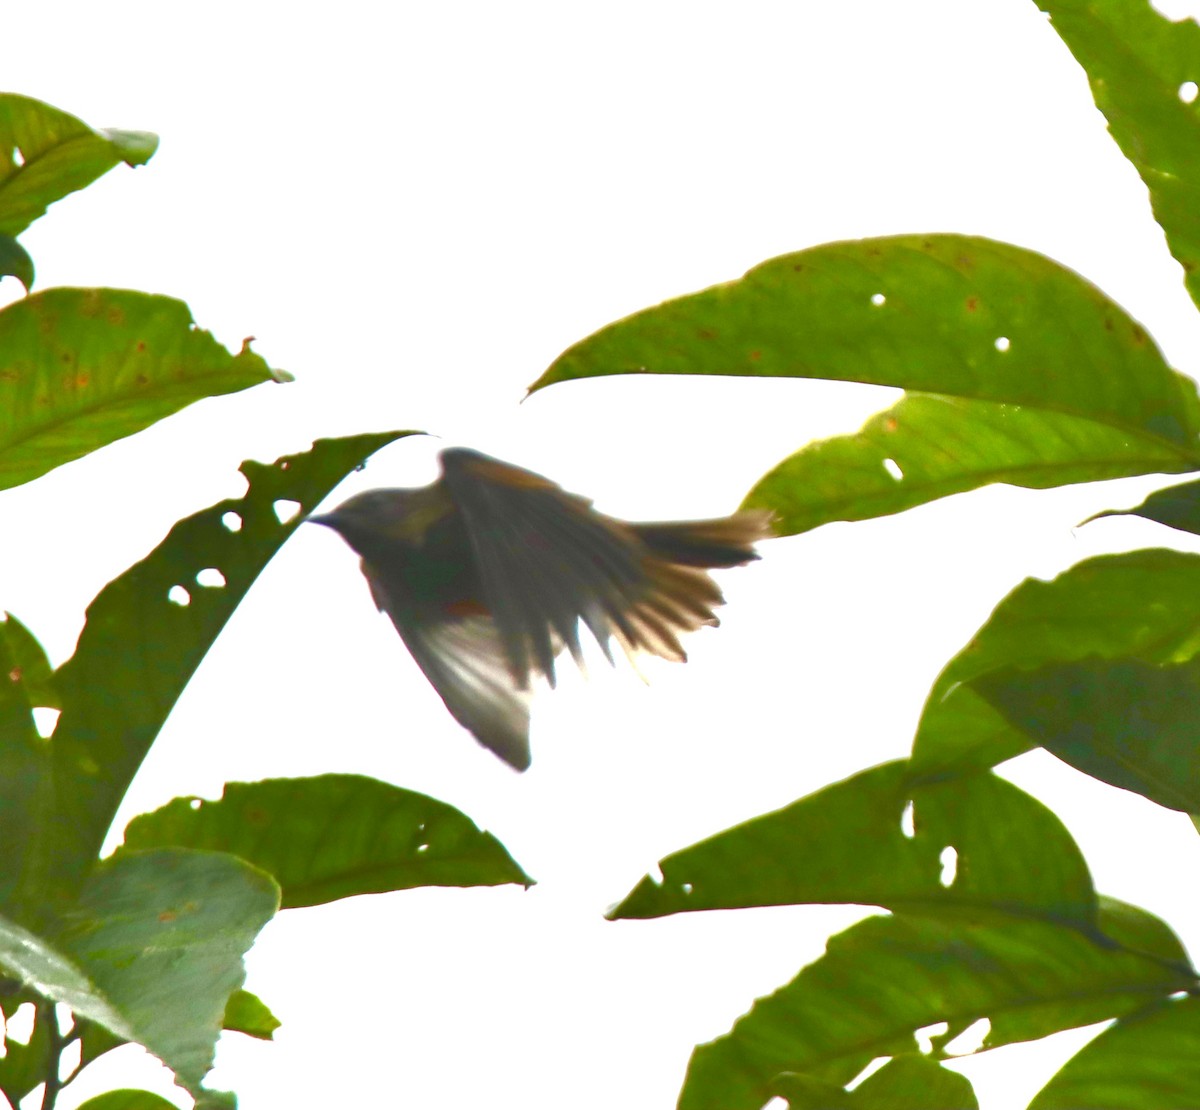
(489, 572)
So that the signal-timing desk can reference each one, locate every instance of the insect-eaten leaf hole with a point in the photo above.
(687, 888)
(878, 299)
(19, 1025)
(970, 1039)
(45, 720)
(867, 1072)
(195, 803)
(179, 596)
(285, 510)
(18, 159)
(907, 825)
(71, 1056)
(210, 578)
(924, 1037)
(1002, 344)
(231, 522)
(1188, 91)
(949, 862)
(893, 469)
(422, 848)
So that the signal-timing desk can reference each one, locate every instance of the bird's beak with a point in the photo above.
(327, 519)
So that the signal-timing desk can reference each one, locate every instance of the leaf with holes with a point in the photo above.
(136, 654)
(926, 447)
(1176, 507)
(46, 153)
(1143, 70)
(160, 936)
(1147, 1061)
(886, 977)
(845, 843)
(23, 1066)
(1142, 604)
(80, 368)
(1127, 723)
(26, 777)
(334, 836)
(1037, 377)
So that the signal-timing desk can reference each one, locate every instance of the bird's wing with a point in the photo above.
(546, 560)
(465, 663)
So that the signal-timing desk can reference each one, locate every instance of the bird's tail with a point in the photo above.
(676, 594)
(725, 542)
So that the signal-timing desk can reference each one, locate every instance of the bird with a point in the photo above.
(489, 572)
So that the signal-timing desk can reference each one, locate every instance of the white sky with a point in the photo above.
(415, 207)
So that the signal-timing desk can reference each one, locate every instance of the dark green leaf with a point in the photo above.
(23, 1066)
(1175, 506)
(15, 261)
(1147, 1061)
(1037, 378)
(912, 1082)
(161, 936)
(845, 844)
(247, 1013)
(1127, 723)
(1138, 63)
(134, 657)
(95, 1040)
(127, 1099)
(334, 836)
(886, 977)
(46, 154)
(80, 368)
(1144, 604)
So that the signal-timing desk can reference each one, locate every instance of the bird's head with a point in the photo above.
(386, 517)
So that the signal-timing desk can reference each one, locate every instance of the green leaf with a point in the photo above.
(886, 977)
(127, 1099)
(135, 655)
(55, 155)
(247, 1013)
(806, 1092)
(845, 844)
(334, 836)
(161, 937)
(1143, 604)
(1137, 63)
(15, 261)
(928, 446)
(26, 778)
(1127, 723)
(81, 368)
(912, 1082)
(1176, 506)
(1147, 1061)
(31, 671)
(1137, 930)
(1034, 376)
